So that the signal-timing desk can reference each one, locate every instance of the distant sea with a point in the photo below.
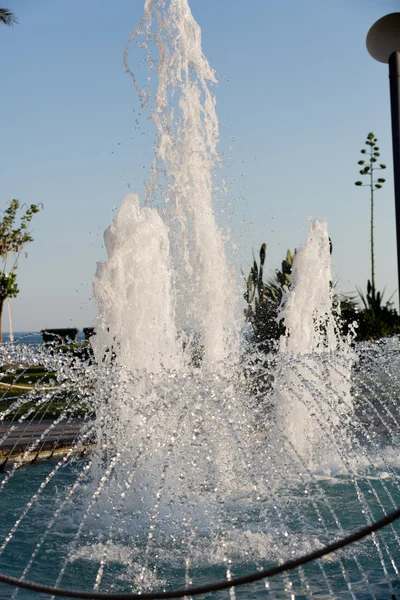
(30, 337)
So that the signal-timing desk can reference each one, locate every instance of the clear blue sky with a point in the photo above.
(297, 96)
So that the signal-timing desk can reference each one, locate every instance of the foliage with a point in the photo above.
(368, 168)
(374, 320)
(373, 301)
(282, 280)
(377, 319)
(7, 17)
(8, 285)
(30, 383)
(14, 236)
(347, 313)
(263, 300)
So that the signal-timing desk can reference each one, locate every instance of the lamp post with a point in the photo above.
(383, 44)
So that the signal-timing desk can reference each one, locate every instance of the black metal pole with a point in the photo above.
(394, 80)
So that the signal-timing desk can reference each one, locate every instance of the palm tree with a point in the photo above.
(7, 17)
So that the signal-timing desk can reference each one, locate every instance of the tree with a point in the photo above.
(7, 17)
(368, 169)
(14, 236)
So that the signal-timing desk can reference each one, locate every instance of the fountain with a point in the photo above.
(180, 473)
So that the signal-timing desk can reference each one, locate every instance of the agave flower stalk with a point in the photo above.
(368, 169)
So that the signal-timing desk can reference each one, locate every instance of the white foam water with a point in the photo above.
(133, 291)
(315, 353)
(182, 173)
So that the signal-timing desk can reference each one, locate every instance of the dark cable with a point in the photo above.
(218, 585)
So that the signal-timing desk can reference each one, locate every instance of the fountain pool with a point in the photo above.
(182, 472)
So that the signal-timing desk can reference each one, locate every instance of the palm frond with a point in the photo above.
(7, 17)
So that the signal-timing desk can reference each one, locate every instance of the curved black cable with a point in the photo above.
(210, 587)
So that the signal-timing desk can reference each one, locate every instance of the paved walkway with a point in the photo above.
(22, 435)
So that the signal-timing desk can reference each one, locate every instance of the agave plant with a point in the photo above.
(373, 300)
(378, 318)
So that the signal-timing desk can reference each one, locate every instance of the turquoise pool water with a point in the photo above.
(254, 535)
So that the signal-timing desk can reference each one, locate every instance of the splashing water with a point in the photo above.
(307, 309)
(313, 336)
(169, 465)
(182, 173)
(133, 293)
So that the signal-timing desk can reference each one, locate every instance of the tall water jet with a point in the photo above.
(307, 309)
(315, 382)
(136, 325)
(182, 173)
